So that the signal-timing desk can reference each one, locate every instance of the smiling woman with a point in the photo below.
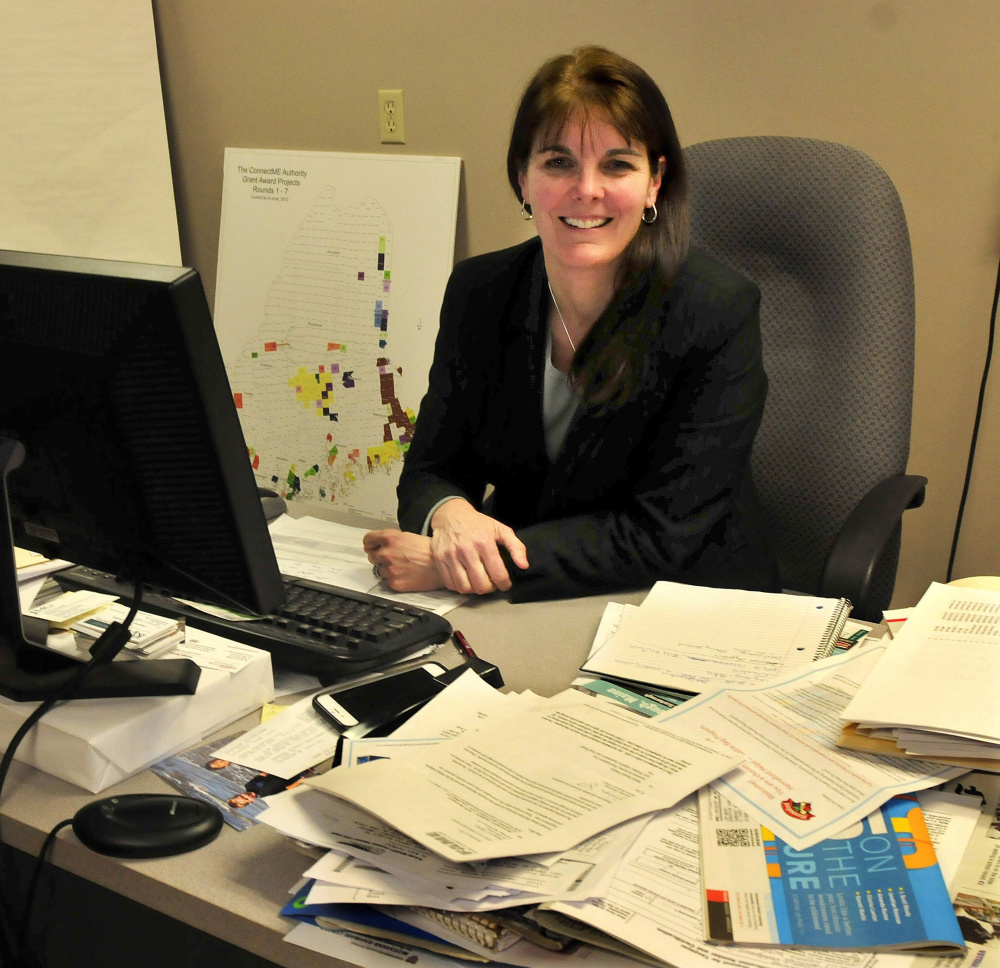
(587, 192)
(605, 380)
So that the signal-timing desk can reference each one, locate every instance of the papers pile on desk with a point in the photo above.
(372, 861)
(578, 816)
(692, 638)
(151, 636)
(31, 565)
(589, 768)
(935, 691)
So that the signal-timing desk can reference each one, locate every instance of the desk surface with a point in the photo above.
(234, 887)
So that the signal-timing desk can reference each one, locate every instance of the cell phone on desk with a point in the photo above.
(360, 709)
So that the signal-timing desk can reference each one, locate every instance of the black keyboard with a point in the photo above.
(333, 633)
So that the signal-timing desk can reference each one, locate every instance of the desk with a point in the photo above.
(233, 888)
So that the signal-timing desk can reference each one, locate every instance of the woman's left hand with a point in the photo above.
(403, 560)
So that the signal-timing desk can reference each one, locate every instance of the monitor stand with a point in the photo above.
(29, 671)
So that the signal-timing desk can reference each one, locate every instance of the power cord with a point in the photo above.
(975, 428)
(104, 650)
(23, 951)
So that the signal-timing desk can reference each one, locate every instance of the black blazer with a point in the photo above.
(657, 488)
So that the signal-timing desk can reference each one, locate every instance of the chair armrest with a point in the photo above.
(863, 538)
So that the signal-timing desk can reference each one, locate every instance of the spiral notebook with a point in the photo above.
(482, 931)
(691, 638)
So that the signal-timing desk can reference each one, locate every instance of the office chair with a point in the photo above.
(820, 228)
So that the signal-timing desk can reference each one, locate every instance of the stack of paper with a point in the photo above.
(32, 571)
(95, 743)
(560, 771)
(31, 564)
(655, 902)
(151, 636)
(686, 637)
(577, 816)
(532, 844)
(934, 691)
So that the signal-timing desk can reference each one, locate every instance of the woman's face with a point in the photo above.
(587, 189)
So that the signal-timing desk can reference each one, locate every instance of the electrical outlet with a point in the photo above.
(390, 117)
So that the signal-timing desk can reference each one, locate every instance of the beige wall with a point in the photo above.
(914, 83)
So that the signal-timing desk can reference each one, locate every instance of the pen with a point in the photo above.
(463, 644)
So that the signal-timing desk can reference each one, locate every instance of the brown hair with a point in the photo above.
(593, 80)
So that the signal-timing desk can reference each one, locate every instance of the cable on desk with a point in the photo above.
(975, 429)
(104, 650)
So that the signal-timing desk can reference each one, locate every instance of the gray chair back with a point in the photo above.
(820, 228)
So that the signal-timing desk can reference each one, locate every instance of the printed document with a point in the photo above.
(333, 553)
(287, 744)
(941, 671)
(351, 881)
(793, 777)
(693, 638)
(414, 872)
(560, 773)
(462, 706)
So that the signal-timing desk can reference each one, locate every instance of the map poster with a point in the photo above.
(331, 272)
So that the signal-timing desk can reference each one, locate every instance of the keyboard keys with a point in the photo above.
(328, 631)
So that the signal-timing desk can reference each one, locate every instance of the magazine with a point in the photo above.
(877, 886)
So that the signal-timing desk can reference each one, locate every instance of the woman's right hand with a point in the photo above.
(464, 546)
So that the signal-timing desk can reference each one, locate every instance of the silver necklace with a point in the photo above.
(561, 320)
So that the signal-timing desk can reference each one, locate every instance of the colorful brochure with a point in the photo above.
(877, 886)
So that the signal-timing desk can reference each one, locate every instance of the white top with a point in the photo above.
(559, 403)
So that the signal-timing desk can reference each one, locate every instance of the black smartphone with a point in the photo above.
(358, 710)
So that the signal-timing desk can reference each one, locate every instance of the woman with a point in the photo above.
(603, 379)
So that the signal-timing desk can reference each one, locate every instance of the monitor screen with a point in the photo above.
(134, 462)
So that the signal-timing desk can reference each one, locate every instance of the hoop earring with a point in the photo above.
(526, 211)
(649, 221)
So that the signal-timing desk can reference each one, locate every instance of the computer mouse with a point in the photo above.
(147, 824)
(272, 502)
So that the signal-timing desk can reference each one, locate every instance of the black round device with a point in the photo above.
(147, 824)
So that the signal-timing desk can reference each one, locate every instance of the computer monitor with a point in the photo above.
(121, 449)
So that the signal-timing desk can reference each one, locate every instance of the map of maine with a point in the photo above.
(315, 386)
